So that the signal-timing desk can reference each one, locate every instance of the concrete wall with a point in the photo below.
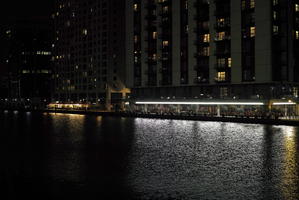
(191, 46)
(176, 41)
(129, 34)
(263, 57)
(236, 43)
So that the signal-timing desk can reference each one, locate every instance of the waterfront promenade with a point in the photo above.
(292, 120)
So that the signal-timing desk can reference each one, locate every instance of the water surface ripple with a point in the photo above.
(88, 157)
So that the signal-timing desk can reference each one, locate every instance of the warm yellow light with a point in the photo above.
(196, 103)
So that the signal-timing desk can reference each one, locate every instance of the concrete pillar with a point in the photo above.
(122, 103)
(178, 109)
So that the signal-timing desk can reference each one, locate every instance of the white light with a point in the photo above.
(199, 103)
(283, 103)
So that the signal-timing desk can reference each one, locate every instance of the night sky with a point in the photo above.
(15, 9)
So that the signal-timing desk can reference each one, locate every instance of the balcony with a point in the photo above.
(201, 55)
(219, 66)
(222, 12)
(222, 53)
(200, 80)
(204, 16)
(164, 13)
(151, 28)
(163, 2)
(220, 80)
(222, 38)
(151, 62)
(151, 17)
(202, 43)
(151, 6)
(203, 3)
(150, 50)
(222, 26)
(201, 30)
(165, 24)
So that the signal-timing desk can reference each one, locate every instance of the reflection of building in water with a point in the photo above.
(290, 176)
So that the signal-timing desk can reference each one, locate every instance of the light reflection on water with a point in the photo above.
(290, 178)
(154, 159)
(66, 159)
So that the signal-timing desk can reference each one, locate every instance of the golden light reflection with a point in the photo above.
(75, 116)
(290, 166)
(67, 106)
(99, 118)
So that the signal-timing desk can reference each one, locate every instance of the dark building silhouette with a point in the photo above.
(27, 73)
(89, 51)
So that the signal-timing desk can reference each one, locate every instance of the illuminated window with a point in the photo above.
(221, 62)
(135, 7)
(220, 36)
(135, 38)
(297, 35)
(252, 3)
(243, 5)
(275, 30)
(206, 38)
(155, 35)
(229, 62)
(154, 56)
(221, 76)
(165, 9)
(297, 7)
(220, 22)
(295, 91)
(206, 51)
(252, 31)
(165, 43)
(275, 2)
(84, 31)
(274, 15)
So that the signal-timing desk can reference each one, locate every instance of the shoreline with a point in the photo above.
(170, 117)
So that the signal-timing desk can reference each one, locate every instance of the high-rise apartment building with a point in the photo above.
(89, 50)
(212, 48)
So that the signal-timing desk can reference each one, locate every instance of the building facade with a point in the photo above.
(89, 51)
(27, 74)
(212, 48)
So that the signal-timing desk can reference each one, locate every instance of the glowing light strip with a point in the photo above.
(198, 103)
(284, 103)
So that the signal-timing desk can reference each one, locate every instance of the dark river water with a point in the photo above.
(66, 156)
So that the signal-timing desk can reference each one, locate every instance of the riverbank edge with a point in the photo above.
(170, 117)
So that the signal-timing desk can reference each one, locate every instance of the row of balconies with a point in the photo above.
(222, 25)
(154, 71)
(202, 4)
